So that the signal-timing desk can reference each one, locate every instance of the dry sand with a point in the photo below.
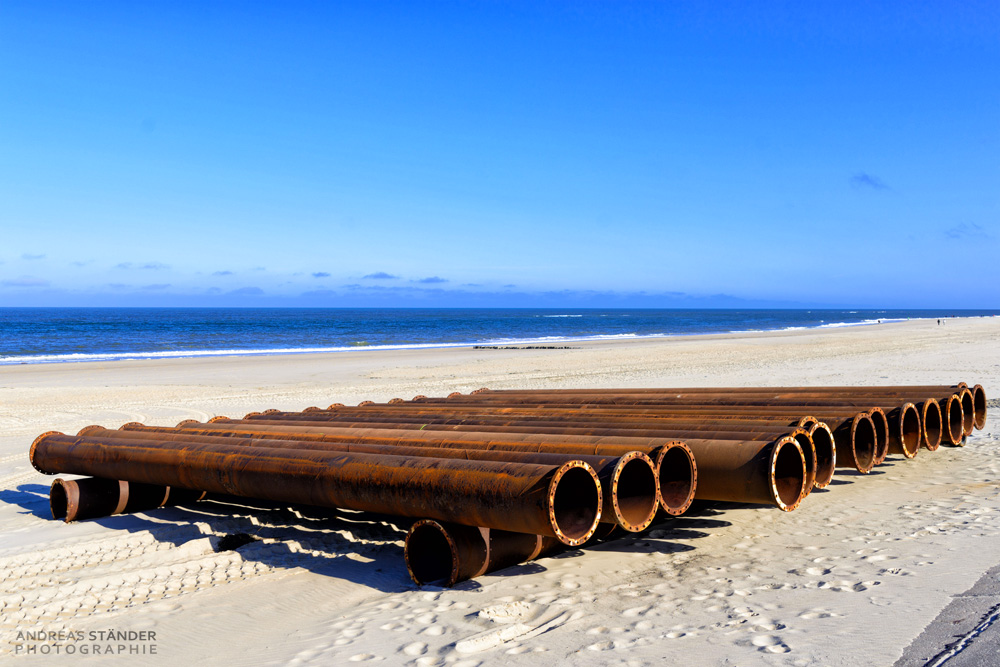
(850, 578)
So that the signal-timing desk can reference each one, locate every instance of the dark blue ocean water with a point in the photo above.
(39, 335)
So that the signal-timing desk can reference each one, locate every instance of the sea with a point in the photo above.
(52, 335)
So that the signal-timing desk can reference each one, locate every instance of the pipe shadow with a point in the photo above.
(32, 498)
(363, 548)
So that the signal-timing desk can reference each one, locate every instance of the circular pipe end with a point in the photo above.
(881, 424)
(677, 474)
(34, 445)
(334, 406)
(864, 441)
(952, 426)
(129, 426)
(87, 430)
(418, 397)
(59, 498)
(979, 406)
(825, 448)
(220, 418)
(634, 492)
(431, 554)
(182, 424)
(909, 430)
(365, 403)
(312, 408)
(454, 394)
(931, 424)
(481, 390)
(251, 415)
(574, 499)
(788, 473)
(272, 411)
(394, 401)
(968, 411)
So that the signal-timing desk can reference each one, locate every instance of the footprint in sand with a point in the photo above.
(770, 644)
(415, 649)
(817, 613)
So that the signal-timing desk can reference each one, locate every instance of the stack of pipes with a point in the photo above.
(501, 477)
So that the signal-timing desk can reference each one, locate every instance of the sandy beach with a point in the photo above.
(853, 577)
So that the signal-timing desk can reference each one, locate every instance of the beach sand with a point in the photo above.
(853, 577)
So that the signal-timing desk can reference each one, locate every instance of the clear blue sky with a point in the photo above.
(491, 153)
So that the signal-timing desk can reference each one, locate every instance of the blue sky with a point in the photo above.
(500, 154)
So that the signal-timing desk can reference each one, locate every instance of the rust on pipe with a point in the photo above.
(832, 389)
(677, 474)
(89, 498)
(968, 411)
(559, 501)
(881, 424)
(629, 481)
(825, 448)
(904, 431)
(979, 406)
(952, 421)
(770, 473)
(931, 425)
(856, 446)
(449, 553)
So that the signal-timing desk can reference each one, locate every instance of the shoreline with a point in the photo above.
(730, 584)
(15, 360)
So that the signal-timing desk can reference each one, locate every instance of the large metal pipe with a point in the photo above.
(881, 424)
(771, 473)
(629, 482)
(952, 420)
(979, 406)
(677, 475)
(449, 553)
(904, 431)
(602, 457)
(930, 423)
(95, 498)
(559, 501)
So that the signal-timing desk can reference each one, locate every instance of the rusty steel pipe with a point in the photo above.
(825, 449)
(968, 411)
(468, 438)
(904, 431)
(629, 482)
(449, 553)
(979, 406)
(677, 477)
(676, 472)
(952, 421)
(770, 473)
(931, 426)
(95, 498)
(881, 424)
(558, 501)
(832, 389)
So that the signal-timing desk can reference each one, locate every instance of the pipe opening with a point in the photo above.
(677, 480)
(953, 427)
(787, 475)
(430, 555)
(863, 441)
(968, 412)
(979, 405)
(809, 454)
(58, 501)
(574, 503)
(909, 430)
(634, 489)
(881, 425)
(826, 454)
(931, 423)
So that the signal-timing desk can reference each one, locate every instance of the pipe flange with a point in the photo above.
(34, 444)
